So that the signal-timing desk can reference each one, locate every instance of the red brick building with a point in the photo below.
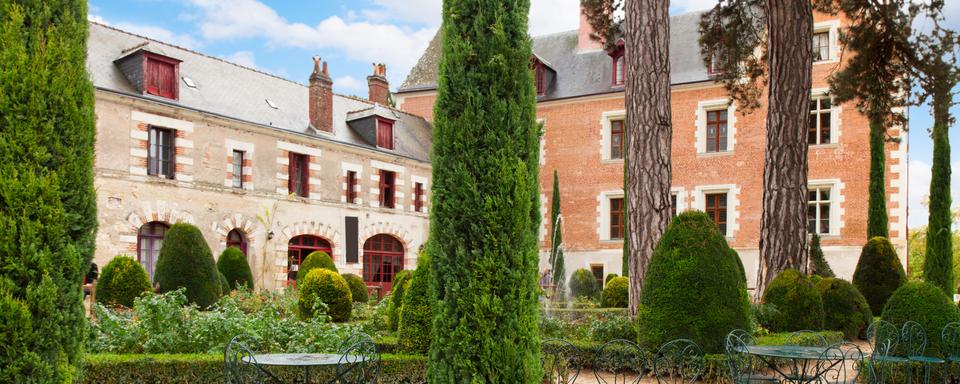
(718, 151)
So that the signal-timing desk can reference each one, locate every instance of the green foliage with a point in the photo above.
(233, 265)
(613, 327)
(583, 284)
(224, 284)
(185, 261)
(845, 309)
(878, 223)
(938, 262)
(609, 277)
(19, 361)
(557, 267)
(926, 304)
(878, 272)
(743, 272)
(416, 314)
(396, 297)
(326, 286)
(121, 281)
(358, 289)
(617, 293)
(798, 302)
(820, 265)
(316, 259)
(693, 288)
(917, 244)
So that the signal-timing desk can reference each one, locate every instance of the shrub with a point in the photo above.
(608, 278)
(316, 259)
(185, 261)
(617, 293)
(18, 358)
(743, 271)
(692, 288)
(583, 284)
(878, 273)
(416, 314)
(611, 327)
(234, 266)
(797, 300)
(926, 304)
(121, 281)
(224, 284)
(845, 309)
(396, 297)
(328, 287)
(820, 265)
(358, 289)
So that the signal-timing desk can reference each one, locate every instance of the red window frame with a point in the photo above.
(382, 259)
(616, 218)
(388, 188)
(299, 248)
(149, 240)
(351, 187)
(298, 176)
(418, 197)
(539, 77)
(716, 209)
(616, 139)
(161, 152)
(619, 69)
(236, 239)
(160, 75)
(384, 134)
(717, 123)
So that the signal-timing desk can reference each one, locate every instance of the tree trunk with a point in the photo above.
(648, 134)
(783, 228)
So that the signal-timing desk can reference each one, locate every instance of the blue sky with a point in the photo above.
(280, 37)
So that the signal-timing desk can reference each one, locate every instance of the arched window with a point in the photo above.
(382, 258)
(298, 249)
(237, 240)
(149, 240)
(618, 70)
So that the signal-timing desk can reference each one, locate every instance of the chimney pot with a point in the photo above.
(378, 87)
(321, 97)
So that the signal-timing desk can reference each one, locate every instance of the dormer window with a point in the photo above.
(713, 67)
(160, 76)
(385, 134)
(618, 72)
(540, 80)
(618, 63)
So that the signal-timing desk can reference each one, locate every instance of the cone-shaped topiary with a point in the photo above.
(820, 265)
(224, 284)
(926, 304)
(693, 287)
(798, 302)
(185, 261)
(736, 259)
(878, 273)
(121, 281)
(316, 259)
(357, 287)
(396, 297)
(328, 287)
(617, 293)
(583, 284)
(233, 265)
(416, 313)
(845, 309)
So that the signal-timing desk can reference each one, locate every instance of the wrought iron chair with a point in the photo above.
(562, 362)
(743, 365)
(354, 338)
(950, 345)
(840, 364)
(884, 338)
(679, 361)
(240, 364)
(359, 364)
(804, 370)
(619, 362)
(914, 339)
(879, 367)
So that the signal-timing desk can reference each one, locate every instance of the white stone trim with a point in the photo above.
(700, 117)
(232, 145)
(183, 160)
(544, 218)
(681, 198)
(345, 167)
(161, 121)
(836, 113)
(399, 169)
(180, 176)
(733, 204)
(184, 143)
(297, 148)
(899, 180)
(605, 119)
(603, 213)
(138, 152)
(833, 27)
(837, 200)
(138, 171)
(136, 133)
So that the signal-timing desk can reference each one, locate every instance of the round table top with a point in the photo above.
(304, 359)
(796, 352)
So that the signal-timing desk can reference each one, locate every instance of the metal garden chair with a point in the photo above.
(840, 364)
(240, 365)
(679, 361)
(354, 338)
(884, 338)
(743, 365)
(804, 370)
(914, 339)
(619, 362)
(562, 362)
(359, 363)
(950, 345)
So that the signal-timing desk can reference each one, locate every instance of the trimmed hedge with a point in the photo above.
(331, 289)
(234, 266)
(316, 259)
(185, 261)
(609, 277)
(845, 308)
(121, 281)
(799, 304)
(743, 271)
(416, 315)
(583, 284)
(357, 287)
(878, 273)
(926, 304)
(396, 297)
(224, 284)
(617, 293)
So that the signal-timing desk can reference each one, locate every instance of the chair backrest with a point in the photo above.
(561, 360)
(879, 367)
(840, 364)
(739, 362)
(883, 334)
(240, 365)
(359, 363)
(354, 338)
(744, 336)
(914, 338)
(618, 362)
(950, 340)
(679, 361)
(806, 338)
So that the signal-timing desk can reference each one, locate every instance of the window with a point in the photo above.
(382, 259)
(160, 77)
(540, 78)
(387, 188)
(616, 218)
(673, 205)
(161, 152)
(299, 248)
(616, 139)
(818, 210)
(597, 271)
(352, 187)
(713, 67)
(237, 240)
(149, 241)
(619, 73)
(298, 182)
(418, 197)
(821, 46)
(717, 131)
(716, 209)
(237, 165)
(385, 134)
(821, 117)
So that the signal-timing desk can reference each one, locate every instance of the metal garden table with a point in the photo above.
(802, 358)
(305, 360)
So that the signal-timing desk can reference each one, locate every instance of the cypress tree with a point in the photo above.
(556, 241)
(47, 201)
(484, 223)
(877, 222)
(820, 265)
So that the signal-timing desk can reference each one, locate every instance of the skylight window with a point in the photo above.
(271, 103)
(189, 82)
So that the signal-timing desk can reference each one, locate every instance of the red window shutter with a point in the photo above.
(383, 188)
(292, 173)
(385, 134)
(305, 175)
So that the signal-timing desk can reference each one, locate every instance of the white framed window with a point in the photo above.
(824, 124)
(612, 123)
(716, 131)
(722, 204)
(611, 206)
(825, 42)
(824, 207)
(678, 201)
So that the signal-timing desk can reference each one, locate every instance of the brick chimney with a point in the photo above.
(584, 42)
(321, 97)
(378, 86)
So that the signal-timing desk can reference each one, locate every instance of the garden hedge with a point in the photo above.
(316, 259)
(617, 293)
(583, 284)
(234, 266)
(396, 298)
(121, 281)
(328, 287)
(845, 309)
(185, 261)
(358, 289)
(926, 304)
(878, 273)
(798, 302)
(416, 314)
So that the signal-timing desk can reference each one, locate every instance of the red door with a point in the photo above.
(382, 259)
(299, 248)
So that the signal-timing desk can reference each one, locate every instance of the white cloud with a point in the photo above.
(349, 84)
(151, 31)
(919, 190)
(244, 58)
(692, 5)
(550, 16)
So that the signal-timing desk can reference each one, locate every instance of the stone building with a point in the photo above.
(717, 150)
(271, 166)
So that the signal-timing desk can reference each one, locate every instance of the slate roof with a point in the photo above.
(582, 73)
(241, 93)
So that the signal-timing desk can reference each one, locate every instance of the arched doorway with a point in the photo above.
(298, 249)
(382, 258)
(238, 240)
(149, 241)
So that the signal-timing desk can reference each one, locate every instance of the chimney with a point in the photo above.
(584, 42)
(378, 85)
(321, 97)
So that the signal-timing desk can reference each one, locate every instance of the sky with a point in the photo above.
(280, 37)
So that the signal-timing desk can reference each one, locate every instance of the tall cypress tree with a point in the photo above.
(556, 241)
(484, 221)
(47, 201)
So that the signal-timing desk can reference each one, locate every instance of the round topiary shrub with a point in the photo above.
(121, 281)
(583, 283)
(233, 265)
(396, 298)
(357, 287)
(608, 278)
(878, 273)
(185, 261)
(692, 288)
(416, 314)
(316, 259)
(844, 308)
(224, 284)
(799, 304)
(329, 288)
(617, 293)
(736, 259)
(926, 304)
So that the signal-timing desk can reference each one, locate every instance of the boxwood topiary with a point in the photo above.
(608, 278)
(224, 284)
(878, 272)
(743, 271)
(844, 307)
(692, 288)
(233, 265)
(121, 281)
(328, 287)
(396, 298)
(185, 261)
(357, 287)
(316, 259)
(926, 304)
(416, 314)
(616, 293)
(583, 283)
(799, 304)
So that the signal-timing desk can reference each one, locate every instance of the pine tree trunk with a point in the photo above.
(877, 220)
(938, 265)
(648, 134)
(783, 228)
